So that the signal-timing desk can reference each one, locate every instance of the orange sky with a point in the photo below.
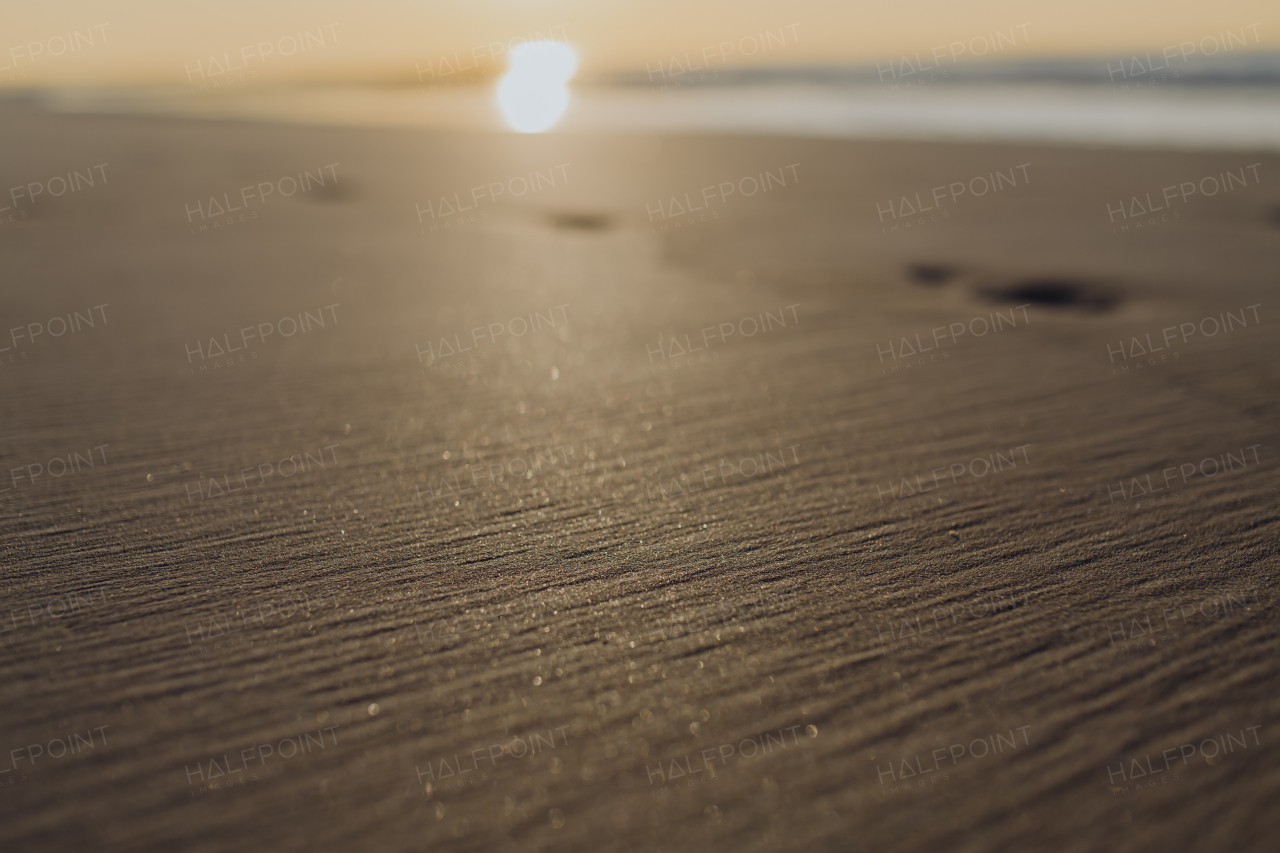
(149, 41)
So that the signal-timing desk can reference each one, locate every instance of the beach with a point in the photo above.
(637, 492)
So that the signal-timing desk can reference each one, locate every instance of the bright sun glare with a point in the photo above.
(534, 92)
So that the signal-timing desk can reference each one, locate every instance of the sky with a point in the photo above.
(165, 42)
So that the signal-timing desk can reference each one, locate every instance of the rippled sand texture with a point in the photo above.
(596, 604)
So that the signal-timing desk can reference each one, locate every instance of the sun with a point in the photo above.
(534, 92)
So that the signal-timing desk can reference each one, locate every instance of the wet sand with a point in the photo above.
(619, 582)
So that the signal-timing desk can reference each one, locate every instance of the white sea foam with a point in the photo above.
(1209, 117)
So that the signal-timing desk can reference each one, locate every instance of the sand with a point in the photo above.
(584, 588)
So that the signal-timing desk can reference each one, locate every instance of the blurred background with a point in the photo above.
(1147, 73)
